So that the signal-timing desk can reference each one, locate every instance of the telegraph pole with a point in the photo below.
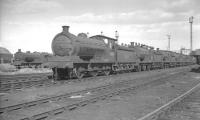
(169, 37)
(191, 22)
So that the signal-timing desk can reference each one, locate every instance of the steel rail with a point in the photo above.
(13, 82)
(29, 81)
(21, 81)
(161, 110)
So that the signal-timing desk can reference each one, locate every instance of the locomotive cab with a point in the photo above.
(110, 42)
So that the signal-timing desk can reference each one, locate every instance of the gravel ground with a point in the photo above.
(37, 93)
(131, 106)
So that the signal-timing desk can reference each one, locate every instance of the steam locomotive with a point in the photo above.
(77, 56)
(28, 59)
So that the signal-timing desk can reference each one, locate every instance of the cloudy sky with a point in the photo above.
(31, 24)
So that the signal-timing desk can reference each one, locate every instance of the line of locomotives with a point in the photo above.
(79, 56)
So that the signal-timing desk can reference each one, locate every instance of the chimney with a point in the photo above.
(65, 29)
(19, 50)
(132, 43)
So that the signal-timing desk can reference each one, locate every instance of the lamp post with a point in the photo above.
(191, 22)
(116, 46)
(169, 38)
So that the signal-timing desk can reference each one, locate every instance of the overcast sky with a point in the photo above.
(30, 25)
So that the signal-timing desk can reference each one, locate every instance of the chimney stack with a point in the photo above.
(19, 50)
(132, 43)
(65, 29)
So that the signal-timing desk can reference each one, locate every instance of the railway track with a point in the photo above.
(10, 83)
(17, 82)
(192, 96)
(48, 107)
(188, 108)
(14, 82)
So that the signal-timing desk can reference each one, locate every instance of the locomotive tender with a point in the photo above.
(77, 56)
